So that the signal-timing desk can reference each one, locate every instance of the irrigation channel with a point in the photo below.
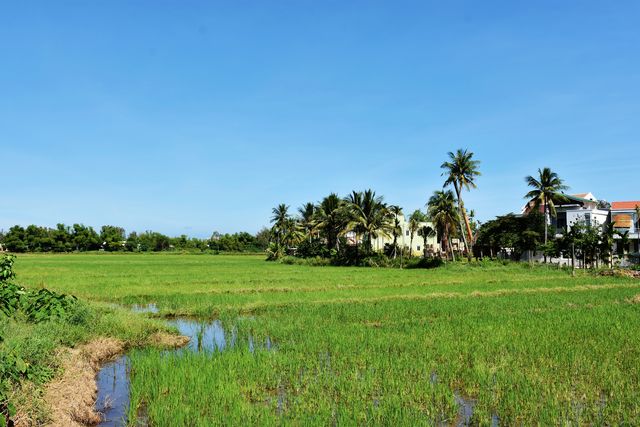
(205, 336)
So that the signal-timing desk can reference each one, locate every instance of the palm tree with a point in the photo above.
(370, 215)
(329, 218)
(279, 219)
(307, 212)
(461, 171)
(425, 231)
(415, 219)
(442, 211)
(293, 233)
(396, 230)
(547, 190)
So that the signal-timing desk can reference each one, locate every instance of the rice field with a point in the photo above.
(481, 345)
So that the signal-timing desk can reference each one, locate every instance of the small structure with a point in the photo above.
(624, 216)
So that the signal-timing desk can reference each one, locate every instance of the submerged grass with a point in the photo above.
(357, 346)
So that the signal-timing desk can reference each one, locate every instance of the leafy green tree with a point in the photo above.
(133, 242)
(262, 239)
(461, 171)
(62, 238)
(16, 239)
(510, 233)
(84, 238)
(112, 237)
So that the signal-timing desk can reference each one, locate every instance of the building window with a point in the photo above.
(407, 233)
(418, 248)
(561, 221)
(587, 219)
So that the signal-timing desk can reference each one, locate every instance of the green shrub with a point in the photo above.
(425, 263)
(45, 304)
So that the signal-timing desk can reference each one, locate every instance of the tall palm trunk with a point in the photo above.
(395, 244)
(546, 231)
(411, 246)
(467, 224)
(424, 246)
(445, 242)
(460, 208)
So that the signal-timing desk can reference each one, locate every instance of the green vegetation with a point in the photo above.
(461, 171)
(34, 323)
(81, 238)
(342, 229)
(526, 344)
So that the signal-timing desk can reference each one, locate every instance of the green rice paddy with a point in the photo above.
(488, 344)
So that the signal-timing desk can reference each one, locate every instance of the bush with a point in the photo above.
(314, 262)
(375, 260)
(312, 249)
(425, 263)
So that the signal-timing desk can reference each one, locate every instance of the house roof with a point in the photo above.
(630, 205)
(622, 221)
(578, 197)
(582, 195)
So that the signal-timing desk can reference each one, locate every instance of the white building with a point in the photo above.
(624, 216)
(576, 208)
(579, 208)
(404, 239)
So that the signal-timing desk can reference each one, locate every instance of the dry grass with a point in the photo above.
(72, 396)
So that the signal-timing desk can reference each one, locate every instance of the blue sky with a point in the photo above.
(189, 117)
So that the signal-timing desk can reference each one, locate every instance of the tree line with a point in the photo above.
(343, 228)
(81, 238)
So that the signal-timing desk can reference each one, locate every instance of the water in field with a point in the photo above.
(212, 336)
(145, 308)
(113, 377)
(466, 410)
(113, 392)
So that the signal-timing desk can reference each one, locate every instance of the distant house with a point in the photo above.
(624, 217)
(404, 239)
(576, 208)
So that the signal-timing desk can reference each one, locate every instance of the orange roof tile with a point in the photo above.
(622, 221)
(625, 205)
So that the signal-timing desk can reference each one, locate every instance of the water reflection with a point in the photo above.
(113, 377)
(145, 308)
(113, 392)
(212, 336)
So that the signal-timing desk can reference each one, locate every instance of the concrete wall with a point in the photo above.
(405, 237)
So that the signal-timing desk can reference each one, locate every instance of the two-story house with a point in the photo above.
(624, 216)
(572, 209)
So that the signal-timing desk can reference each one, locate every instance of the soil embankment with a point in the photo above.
(71, 397)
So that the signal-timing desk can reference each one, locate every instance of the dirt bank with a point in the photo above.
(71, 397)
